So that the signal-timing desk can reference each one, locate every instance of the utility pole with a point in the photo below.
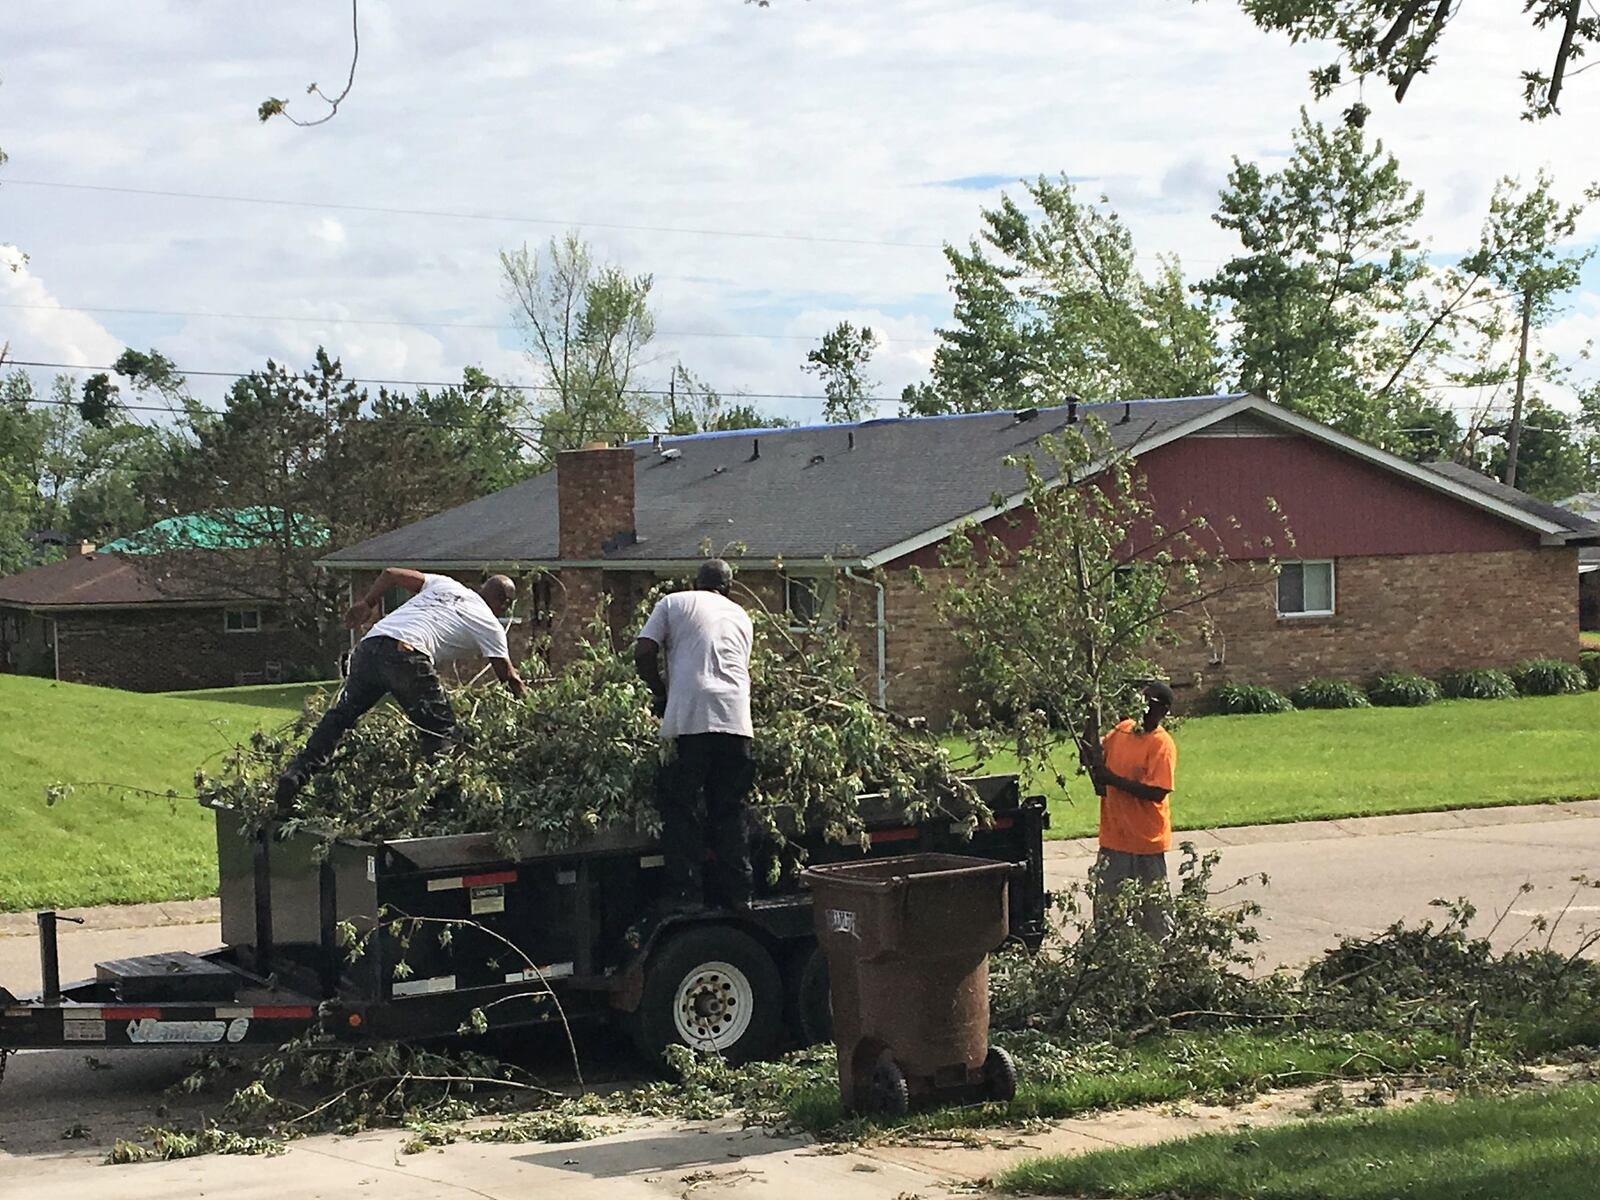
(1514, 435)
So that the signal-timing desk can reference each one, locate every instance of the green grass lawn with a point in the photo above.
(103, 845)
(1536, 1145)
(286, 696)
(1589, 639)
(1359, 762)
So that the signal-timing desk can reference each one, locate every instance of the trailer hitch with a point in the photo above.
(49, 958)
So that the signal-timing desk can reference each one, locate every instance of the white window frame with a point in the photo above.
(1333, 590)
(821, 590)
(243, 628)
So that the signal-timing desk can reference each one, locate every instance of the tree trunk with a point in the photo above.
(1514, 435)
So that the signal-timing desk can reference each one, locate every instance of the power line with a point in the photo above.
(230, 316)
(435, 383)
(750, 234)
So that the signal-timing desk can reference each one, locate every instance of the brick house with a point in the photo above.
(1398, 566)
(138, 622)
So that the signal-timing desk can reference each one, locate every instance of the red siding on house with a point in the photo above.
(1335, 504)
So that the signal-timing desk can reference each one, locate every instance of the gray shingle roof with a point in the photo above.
(1564, 517)
(822, 491)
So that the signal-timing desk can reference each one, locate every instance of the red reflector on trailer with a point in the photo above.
(473, 881)
(1004, 822)
(894, 835)
(285, 1012)
(130, 1014)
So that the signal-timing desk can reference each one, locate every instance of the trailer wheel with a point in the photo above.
(711, 988)
(810, 1001)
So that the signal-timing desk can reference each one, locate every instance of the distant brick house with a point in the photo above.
(139, 623)
(1397, 566)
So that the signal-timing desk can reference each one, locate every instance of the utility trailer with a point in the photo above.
(524, 934)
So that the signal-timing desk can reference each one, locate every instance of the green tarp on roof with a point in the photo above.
(240, 529)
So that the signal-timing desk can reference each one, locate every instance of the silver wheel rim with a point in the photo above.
(713, 1006)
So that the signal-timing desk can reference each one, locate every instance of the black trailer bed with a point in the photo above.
(520, 930)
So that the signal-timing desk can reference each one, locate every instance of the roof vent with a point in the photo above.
(816, 460)
(1025, 414)
(1072, 409)
(851, 436)
(1127, 412)
(755, 449)
(671, 455)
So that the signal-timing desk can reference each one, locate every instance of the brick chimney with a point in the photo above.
(79, 549)
(594, 495)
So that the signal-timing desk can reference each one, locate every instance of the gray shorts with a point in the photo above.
(1116, 867)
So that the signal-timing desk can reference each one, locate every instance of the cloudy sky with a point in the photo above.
(777, 170)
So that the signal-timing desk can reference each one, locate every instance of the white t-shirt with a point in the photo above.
(446, 620)
(705, 641)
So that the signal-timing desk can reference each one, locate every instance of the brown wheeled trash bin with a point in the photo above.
(907, 942)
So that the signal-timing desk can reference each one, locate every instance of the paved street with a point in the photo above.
(1327, 878)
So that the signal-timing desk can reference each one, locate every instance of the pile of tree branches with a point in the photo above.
(579, 755)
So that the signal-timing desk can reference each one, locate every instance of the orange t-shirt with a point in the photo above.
(1127, 823)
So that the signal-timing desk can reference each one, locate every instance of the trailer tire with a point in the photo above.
(810, 1001)
(711, 987)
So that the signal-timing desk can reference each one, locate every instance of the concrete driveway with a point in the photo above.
(1328, 878)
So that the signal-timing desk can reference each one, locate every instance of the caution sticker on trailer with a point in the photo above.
(490, 899)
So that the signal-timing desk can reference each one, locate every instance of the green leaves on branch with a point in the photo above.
(578, 755)
(1062, 607)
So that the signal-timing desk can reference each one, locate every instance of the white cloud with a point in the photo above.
(41, 331)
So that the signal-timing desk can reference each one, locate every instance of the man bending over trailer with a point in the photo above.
(704, 705)
(400, 657)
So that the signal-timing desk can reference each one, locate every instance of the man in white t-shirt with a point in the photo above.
(703, 700)
(400, 656)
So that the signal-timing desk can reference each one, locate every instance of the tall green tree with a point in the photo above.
(1050, 302)
(1554, 464)
(1534, 272)
(586, 326)
(1328, 302)
(1396, 41)
(841, 363)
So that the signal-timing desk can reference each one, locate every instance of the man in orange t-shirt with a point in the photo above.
(1134, 772)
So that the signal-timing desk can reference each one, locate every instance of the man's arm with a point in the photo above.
(507, 674)
(1139, 791)
(647, 661)
(390, 577)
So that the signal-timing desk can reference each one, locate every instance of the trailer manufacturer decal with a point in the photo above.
(149, 1030)
(553, 971)
(81, 1029)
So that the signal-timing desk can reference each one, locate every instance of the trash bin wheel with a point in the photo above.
(710, 988)
(888, 1094)
(810, 1001)
(999, 1076)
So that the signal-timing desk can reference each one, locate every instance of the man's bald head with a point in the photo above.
(714, 575)
(498, 592)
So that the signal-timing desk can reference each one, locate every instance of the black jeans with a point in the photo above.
(380, 667)
(702, 799)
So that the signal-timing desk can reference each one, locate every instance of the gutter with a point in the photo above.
(883, 655)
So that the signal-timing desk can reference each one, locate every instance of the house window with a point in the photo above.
(1305, 589)
(241, 620)
(806, 599)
